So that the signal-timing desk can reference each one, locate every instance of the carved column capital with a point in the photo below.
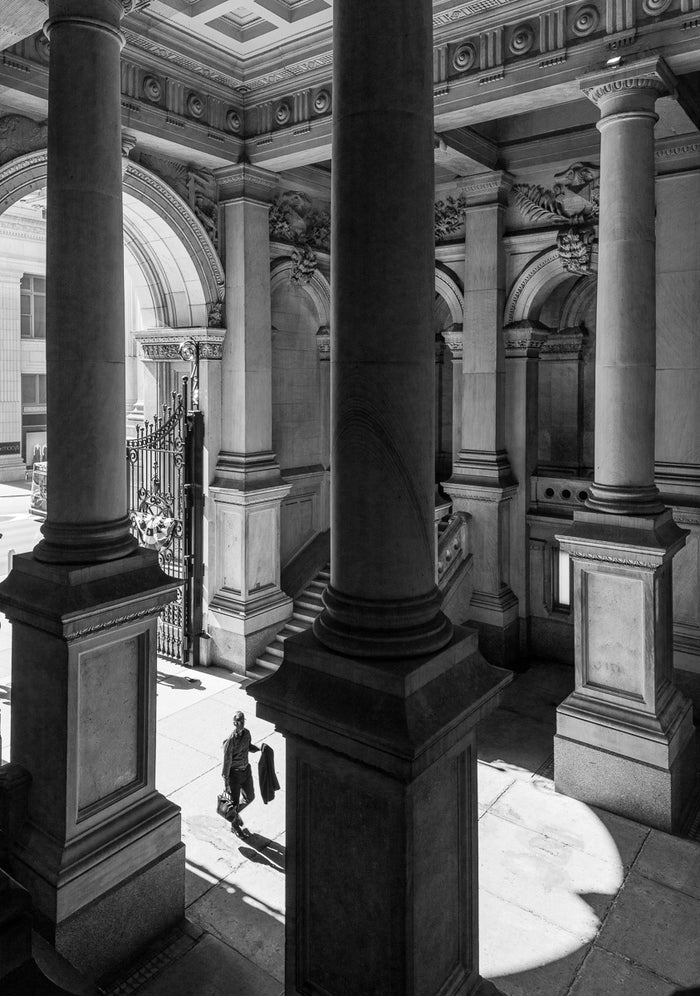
(454, 340)
(246, 182)
(633, 86)
(489, 187)
(564, 345)
(524, 340)
(323, 342)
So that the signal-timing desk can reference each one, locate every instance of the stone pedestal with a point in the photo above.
(100, 851)
(625, 738)
(482, 482)
(381, 760)
(246, 606)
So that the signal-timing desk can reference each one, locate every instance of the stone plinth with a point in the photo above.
(100, 851)
(625, 738)
(381, 816)
(248, 607)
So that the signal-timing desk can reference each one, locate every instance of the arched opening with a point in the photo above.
(172, 276)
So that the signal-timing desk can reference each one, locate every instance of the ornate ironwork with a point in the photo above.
(164, 475)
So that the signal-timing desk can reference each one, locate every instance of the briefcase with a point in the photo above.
(225, 807)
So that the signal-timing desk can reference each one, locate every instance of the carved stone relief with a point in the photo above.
(196, 186)
(19, 134)
(295, 219)
(572, 200)
(449, 217)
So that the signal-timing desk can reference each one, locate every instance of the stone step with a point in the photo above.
(313, 586)
(265, 665)
(306, 618)
(309, 600)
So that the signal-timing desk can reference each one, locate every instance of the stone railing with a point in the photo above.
(452, 548)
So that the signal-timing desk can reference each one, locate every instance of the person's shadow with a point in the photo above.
(265, 852)
(175, 681)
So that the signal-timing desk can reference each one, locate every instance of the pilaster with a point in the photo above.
(625, 738)
(11, 463)
(523, 342)
(561, 373)
(454, 340)
(246, 606)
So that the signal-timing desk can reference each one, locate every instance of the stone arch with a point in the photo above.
(535, 283)
(317, 288)
(184, 277)
(449, 290)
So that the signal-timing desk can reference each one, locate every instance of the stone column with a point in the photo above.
(379, 702)
(454, 340)
(482, 482)
(523, 343)
(11, 462)
(625, 739)
(323, 343)
(99, 841)
(561, 441)
(247, 606)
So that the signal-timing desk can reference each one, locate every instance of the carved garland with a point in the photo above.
(295, 220)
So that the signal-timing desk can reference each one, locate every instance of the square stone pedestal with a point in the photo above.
(625, 738)
(100, 850)
(247, 607)
(381, 817)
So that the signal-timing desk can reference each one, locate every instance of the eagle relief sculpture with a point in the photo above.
(572, 201)
(294, 219)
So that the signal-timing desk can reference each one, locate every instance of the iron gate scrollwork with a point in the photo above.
(164, 480)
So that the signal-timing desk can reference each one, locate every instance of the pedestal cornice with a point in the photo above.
(644, 542)
(246, 182)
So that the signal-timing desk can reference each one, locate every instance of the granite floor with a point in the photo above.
(574, 901)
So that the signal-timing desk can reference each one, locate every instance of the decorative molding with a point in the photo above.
(524, 339)
(606, 558)
(164, 344)
(454, 340)
(465, 10)
(575, 248)
(568, 342)
(111, 623)
(485, 188)
(651, 74)
(246, 181)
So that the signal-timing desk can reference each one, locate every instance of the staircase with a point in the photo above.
(306, 607)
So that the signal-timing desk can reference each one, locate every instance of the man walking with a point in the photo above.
(238, 778)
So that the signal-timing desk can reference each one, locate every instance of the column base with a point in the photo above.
(240, 631)
(381, 760)
(658, 797)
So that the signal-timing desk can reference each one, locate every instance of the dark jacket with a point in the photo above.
(266, 774)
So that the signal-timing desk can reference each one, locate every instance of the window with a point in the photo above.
(562, 591)
(33, 307)
(33, 391)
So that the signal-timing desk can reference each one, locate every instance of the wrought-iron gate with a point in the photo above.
(164, 480)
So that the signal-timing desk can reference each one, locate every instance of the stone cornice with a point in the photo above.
(454, 340)
(524, 339)
(486, 188)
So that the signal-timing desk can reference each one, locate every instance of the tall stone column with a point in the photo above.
(625, 738)
(247, 607)
(323, 344)
(11, 463)
(99, 842)
(482, 482)
(523, 343)
(379, 703)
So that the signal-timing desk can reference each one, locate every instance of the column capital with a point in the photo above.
(246, 182)
(564, 345)
(323, 342)
(490, 187)
(454, 340)
(629, 86)
(524, 339)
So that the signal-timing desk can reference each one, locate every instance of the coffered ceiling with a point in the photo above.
(243, 29)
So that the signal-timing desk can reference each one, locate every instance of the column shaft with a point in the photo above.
(85, 288)
(382, 382)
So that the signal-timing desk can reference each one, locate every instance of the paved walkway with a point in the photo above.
(574, 901)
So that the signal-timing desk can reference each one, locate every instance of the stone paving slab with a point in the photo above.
(604, 973)
(656, 927)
